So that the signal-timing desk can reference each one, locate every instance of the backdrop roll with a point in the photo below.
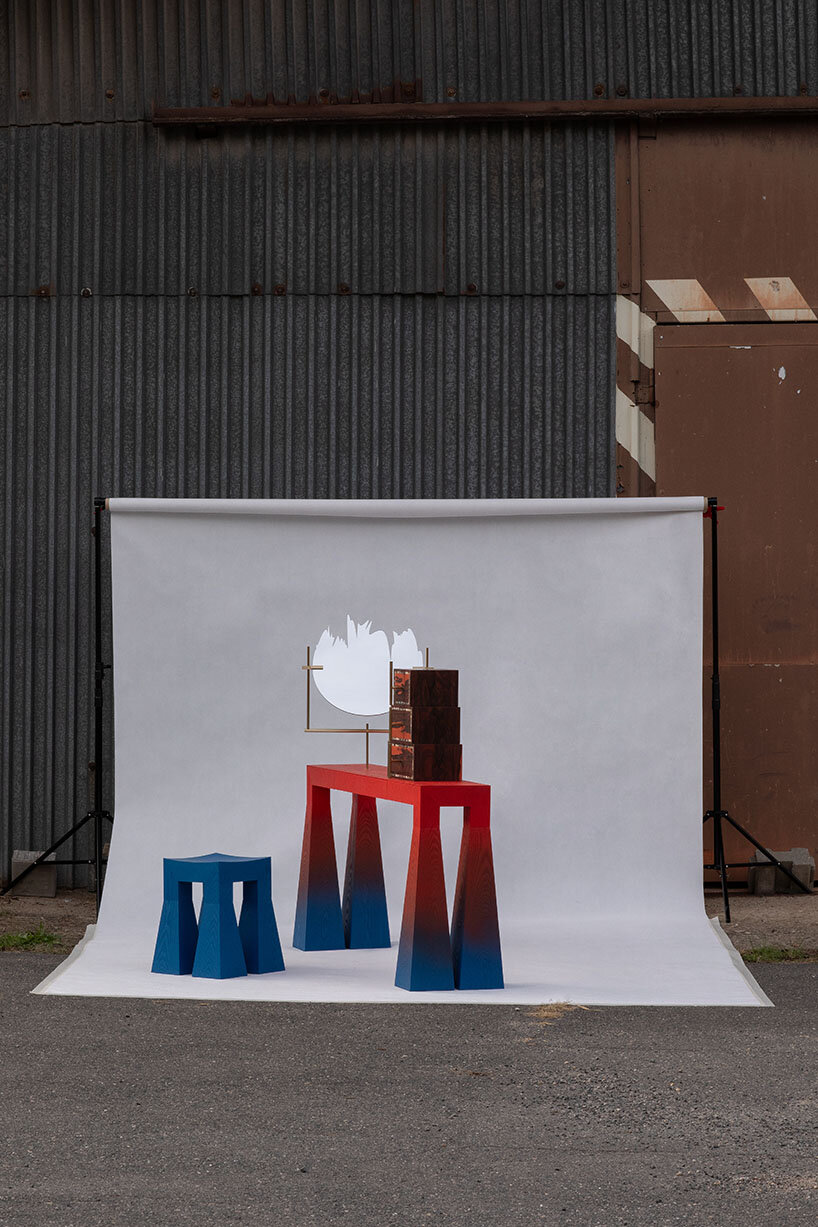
(576, 627)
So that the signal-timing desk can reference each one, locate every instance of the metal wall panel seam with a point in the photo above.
(83, 62)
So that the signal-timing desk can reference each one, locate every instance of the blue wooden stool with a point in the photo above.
(217, 948)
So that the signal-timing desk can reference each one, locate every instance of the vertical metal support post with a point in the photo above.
(97, 813)
(99, 673)
(715, 703)
(719, 815)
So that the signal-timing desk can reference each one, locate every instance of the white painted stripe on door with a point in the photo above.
(635, 329)
(635, 432)
(688, 300)
(781, 298)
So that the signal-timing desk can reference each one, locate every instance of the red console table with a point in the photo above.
(429, 957)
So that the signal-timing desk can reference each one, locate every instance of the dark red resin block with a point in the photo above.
(425, 724)
(409, 761)
(425, 688)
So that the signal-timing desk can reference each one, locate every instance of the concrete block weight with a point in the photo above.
(41, 882)
(764, 878)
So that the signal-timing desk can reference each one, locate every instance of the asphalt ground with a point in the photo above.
(138, 1112)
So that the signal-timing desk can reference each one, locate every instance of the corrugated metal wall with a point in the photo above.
(132, 209)
(370, 312)
(106, 60)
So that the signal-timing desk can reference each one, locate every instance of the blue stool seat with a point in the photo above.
(216, 947)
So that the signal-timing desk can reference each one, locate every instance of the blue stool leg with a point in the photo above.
(258, 928)
(176, 940)
(219, 953)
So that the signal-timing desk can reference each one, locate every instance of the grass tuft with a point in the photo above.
(778, 954)
(29, 940)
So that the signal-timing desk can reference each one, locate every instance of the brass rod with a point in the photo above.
(371, 730)
(309, 669)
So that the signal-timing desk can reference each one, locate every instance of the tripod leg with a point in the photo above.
(718, 842)
(57, 844)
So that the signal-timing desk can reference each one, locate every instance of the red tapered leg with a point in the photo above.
(364, 907)
(318, 922)
(425, 952)
(475, 931)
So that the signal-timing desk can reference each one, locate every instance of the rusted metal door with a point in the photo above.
(714, 226)
(737, 417)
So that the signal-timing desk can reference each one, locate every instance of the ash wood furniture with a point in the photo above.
(429, 956)
(216, 947)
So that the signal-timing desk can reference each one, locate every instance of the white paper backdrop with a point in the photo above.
(576, 626)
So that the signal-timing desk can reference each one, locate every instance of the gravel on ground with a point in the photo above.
(67, 915)
(768, 920)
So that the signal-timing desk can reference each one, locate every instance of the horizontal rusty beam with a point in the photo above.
(480, 112)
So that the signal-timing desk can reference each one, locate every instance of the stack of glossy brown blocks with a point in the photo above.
(424, 726)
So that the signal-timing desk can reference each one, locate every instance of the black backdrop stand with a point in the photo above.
(97, 814)
(717, 813)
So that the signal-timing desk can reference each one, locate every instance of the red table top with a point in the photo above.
(372, 781)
